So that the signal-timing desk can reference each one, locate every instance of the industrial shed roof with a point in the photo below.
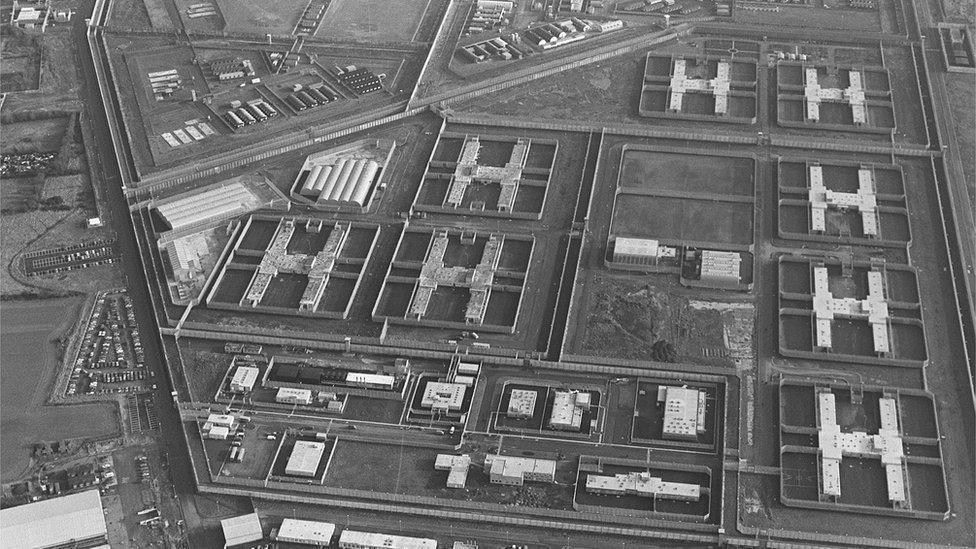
(53, 522)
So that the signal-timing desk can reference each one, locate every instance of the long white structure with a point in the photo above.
(865, 200)
(515, 471)
(220, 203)
(478, 280)
(468, 171)
(306, 532)
(353, 539)
(814, 94)
(834, 444)
(874, 308)
(682, 84)
(642, 484)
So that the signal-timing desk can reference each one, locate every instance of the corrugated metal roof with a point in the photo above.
(241, 529)
(53, 521)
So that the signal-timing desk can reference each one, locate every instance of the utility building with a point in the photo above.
(521, 404)
(640, 251)
(243, 380)
(642, 484)
(515, 471)
(567, 410)
(288, 395)
(219, 426)
(241, 530)
(684, 412)
(443, 397)
(835, 444)
(865, 200)
(458, 467)
(874, 309)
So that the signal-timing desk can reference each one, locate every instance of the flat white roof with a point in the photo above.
(241, 529)
(450, 395)
(354, 538)
(53, 521)
(306, 531)
(304, 458)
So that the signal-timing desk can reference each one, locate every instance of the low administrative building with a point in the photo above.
(69, 521)
(304, 459)
(515, 471)
(306, 532)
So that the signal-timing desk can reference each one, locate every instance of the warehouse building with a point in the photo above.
(443, 397)
(371, 381)
(834, 444)
(75, 521)
(684, 412)
(642, 484)
(720, 269)
(289, 395)
(515, 471)
(304, 459)
(353, 539)
(306, 532)
(521, 404)
(216, 204)
(347, 179)
(243, 380)
(242, 531)
(567, 410)
(458, 467)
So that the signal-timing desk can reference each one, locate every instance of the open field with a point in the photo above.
(373, 20)
(30, 358)
(963, 103)
(263, 16)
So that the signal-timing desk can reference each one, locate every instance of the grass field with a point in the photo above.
(28, 360)
(682, 219)
(372, 20)
(275, 17)
(961, 91)
(654, 171)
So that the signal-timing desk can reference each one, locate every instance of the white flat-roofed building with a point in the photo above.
(458, 467)
(354, 539)
(853, 95)
(243, 379)
(521, 404)
(636, 251)
(684, 412)
(515, 471)
(443, 396)
(215, 204)
(468, 368)
(718, 87)
(304, 459)
(219, 426)
(288, 395)
(834, 444)
(567, 410)
(68, 521)
(306, 532)
(373, 381)
(241, 529)
(642, 484)
(719, 267)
